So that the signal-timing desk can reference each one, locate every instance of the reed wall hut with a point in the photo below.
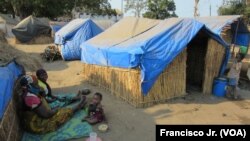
(145, 62)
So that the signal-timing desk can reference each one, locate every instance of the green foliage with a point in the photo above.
(95, 7)
(160, 9)
(53, 8)
(235, 7)
(6, 7)
(136, 6)
(247, 12)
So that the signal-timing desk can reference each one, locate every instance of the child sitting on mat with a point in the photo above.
(95, 110)
(233, 76)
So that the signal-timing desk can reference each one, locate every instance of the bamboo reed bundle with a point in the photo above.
(213, 60)
(125, 83)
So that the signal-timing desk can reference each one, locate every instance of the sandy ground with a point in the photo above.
(130, 124)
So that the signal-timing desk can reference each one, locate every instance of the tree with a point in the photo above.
(235, 7)
(136, 6)
(160, 9)
(95, 7)
(53, 8)
(6, 7)
(43, 8)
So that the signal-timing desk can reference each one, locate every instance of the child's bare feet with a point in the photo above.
(85, 92)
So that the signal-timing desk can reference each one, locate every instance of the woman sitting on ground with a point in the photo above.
(55, 101)
(36, 115)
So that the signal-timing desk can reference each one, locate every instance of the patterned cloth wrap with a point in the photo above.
(74, 127)
(62, 101)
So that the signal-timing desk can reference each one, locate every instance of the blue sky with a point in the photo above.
(185, 8)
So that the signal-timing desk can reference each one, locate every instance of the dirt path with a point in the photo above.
(130, 124)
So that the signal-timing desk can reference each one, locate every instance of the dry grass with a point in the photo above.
(8, 53)
(42, 39)
(125, 83)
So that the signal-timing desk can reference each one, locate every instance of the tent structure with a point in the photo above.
(8, 75)
(147, 61)
(6, 24)
(73, 34)
(30, 28)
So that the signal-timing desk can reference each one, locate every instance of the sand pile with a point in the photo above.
(8, 53)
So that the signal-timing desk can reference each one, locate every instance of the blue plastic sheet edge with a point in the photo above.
(8, 76)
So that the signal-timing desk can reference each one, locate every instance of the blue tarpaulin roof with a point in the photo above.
(152, 50)
(73, 34)
(8, 76)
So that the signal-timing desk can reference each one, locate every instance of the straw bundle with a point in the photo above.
(213, 60)
(125, 83)
(8, 53)
(41, 39)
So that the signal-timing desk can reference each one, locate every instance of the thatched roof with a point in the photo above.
(8, 53)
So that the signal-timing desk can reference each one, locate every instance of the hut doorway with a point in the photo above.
(196, 54)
